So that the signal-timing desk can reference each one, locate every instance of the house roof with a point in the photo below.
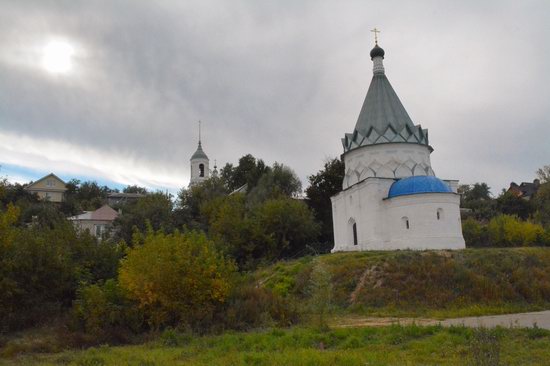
(104, 213)
(51, 175)
(383, 119)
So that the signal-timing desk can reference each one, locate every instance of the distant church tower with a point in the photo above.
(391, 198)
(200, 169)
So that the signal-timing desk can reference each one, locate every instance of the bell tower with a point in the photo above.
(200, 169)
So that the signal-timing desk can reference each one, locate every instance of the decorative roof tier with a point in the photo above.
(383, 119)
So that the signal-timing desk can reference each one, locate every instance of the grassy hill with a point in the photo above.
(430, 283)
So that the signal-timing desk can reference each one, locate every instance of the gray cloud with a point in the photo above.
(281, 80)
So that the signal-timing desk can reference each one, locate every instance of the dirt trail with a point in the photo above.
(522, 320)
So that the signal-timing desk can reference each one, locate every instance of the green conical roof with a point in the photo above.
(383, 118)
(199, 154)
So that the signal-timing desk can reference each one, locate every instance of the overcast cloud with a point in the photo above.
(282, 80)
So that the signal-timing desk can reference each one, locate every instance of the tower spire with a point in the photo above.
(200, 132)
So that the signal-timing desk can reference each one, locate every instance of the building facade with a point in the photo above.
(390, 197)
(49, 188)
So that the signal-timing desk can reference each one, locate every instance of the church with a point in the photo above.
(391, 198)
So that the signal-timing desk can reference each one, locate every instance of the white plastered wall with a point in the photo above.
(391, 160)
(381, 225)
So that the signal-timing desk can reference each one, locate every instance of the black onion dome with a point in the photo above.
(377, 52)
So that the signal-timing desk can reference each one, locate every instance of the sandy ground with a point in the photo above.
(522, 320)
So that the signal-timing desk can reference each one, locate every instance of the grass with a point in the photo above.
(393, 345)
(436, 284)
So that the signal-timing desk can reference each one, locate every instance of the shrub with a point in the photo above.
(254, 306)
(177, 278)
(105, 312)
(505, 230)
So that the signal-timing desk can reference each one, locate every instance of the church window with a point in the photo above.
(406, 222)
(439, 214)
(354, 233)
(201, 170)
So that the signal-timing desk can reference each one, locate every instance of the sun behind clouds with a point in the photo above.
(57, 57)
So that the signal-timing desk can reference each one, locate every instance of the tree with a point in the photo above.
(477, 197)
(323, 185)
(278, 181)
(510, 204)
(544, 174)
(248, 171)
(289, 223)
(154, 209)
(177, 278)
(191, 200)
(135, 189)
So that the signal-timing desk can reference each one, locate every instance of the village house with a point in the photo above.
(98, 222)
(49, 188)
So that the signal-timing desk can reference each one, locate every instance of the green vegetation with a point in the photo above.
(431, 283)
(393, 345)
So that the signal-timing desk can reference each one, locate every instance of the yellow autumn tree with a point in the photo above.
(177, 278)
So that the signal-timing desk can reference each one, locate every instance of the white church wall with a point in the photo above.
(360, 204)
(433, 222)
(391, 160)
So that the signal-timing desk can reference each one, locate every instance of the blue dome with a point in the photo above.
(418, 184)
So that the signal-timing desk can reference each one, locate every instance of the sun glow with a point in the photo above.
(57, 57)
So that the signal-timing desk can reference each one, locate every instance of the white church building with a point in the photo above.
(391, 198)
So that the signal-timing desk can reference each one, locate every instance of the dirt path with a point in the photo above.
(522, 320)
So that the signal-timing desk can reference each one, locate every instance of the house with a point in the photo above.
(98, 222)
(49, 188)
(391, 198)
(525, 190)
(117, 198)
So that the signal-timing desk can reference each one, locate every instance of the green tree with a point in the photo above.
(477, 197)
(135, 189)
(177, 278)
(510, 204)
(154, 209)
(191, 200)
(289, 223)
(323, 185)
(278, 181)
(543, 174)
(248, 171)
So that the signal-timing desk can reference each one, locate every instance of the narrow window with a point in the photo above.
(440, 214)
(354, 233)
(406, 222)
(201, 170)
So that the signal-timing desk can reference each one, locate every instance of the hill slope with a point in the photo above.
(435, 283)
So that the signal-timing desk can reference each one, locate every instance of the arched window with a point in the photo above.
(406, 222)
(201, 170)
(352, 231)
(439, 214)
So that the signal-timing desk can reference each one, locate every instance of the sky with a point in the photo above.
(112, 90)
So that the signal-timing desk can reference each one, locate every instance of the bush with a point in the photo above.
(105, 312)
(177, 278)
(506, 231)
(253, 306)
(41, 267)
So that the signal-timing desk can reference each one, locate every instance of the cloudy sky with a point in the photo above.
(112, 90)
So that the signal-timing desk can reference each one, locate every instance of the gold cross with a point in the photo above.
(375, 31)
